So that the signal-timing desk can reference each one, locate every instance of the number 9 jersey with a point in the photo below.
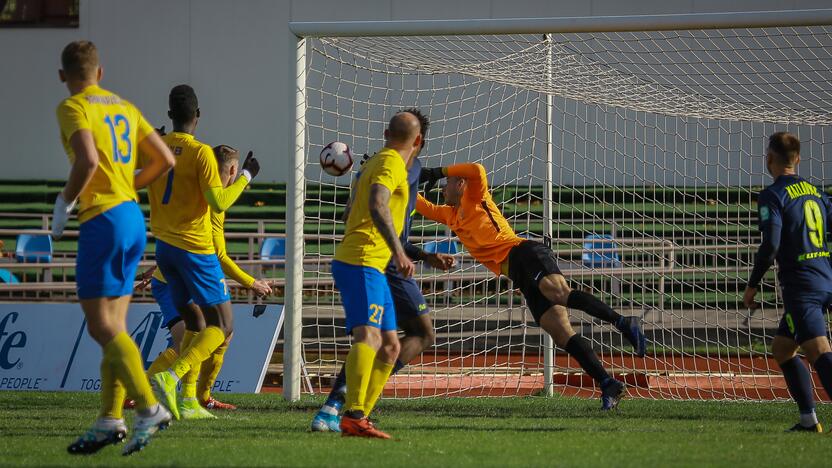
(797, 214)
(117, 127)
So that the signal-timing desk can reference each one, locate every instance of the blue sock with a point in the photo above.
(800, 384)
(823, 366)
(397, 367)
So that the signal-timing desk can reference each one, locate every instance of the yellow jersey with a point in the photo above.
(231, 269)
(179, 213)
(117, 127)
(363, 244)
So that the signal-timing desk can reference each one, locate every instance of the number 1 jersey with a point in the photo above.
(179, 213)
(800, 213)
(117, 127)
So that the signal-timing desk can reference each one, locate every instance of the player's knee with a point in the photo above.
(421, 329)
(101, 332)
(370, 336)
(815, 347)
(783, 349)
(391, 350)
(555, 322)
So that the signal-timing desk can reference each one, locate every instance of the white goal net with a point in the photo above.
(657, 144)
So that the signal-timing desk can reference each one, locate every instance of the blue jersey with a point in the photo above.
(794, 218)
(413, 182)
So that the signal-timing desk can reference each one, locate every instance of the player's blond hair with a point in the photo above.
(79, 60)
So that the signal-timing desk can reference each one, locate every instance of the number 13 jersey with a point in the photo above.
(117, 127)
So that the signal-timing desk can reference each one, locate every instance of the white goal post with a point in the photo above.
(616, 90)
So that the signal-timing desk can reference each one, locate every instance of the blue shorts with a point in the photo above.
(804, 318)
(110, 246)
(161, 293)
(365, 295)
(407, 297)
(191, 277)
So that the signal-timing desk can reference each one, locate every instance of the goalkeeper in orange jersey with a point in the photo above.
(472, 215)
(228, 164)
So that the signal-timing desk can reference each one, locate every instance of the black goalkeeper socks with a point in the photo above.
(579, 348)
(799, 383)
(592, 306)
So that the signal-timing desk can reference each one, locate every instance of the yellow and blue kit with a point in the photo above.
(180, 218)
(112, 232)
(360, 259)
(161, 291)
(793, 219)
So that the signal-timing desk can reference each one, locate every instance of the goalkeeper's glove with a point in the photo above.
(251, 166)
(431, 176)
(60, 215)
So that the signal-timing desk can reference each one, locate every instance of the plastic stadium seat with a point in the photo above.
(33, 248)
(7, 277)
(445, 247)
(591, 258)
(273, 248)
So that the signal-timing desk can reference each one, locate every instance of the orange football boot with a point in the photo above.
(353, 427)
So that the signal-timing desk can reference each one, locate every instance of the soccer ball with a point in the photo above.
(336, 158)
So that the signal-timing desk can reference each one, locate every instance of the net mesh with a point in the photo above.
(657, 158)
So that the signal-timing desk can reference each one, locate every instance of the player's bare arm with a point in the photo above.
(83, 168)
(383, 221)
(86, 162)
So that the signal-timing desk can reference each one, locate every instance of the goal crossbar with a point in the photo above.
(577, 24)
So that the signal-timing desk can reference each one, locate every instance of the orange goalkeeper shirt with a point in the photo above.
(477, 221)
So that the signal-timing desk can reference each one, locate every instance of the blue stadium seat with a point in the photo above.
(273, 248)
(33, 248)
(444, 246)
(7, 277)
(591, 258)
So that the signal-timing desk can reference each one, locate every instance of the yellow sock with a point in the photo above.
(202, 345)
(112, 393)
(209, 371)
(378, 378)
(126, 365)
(186, 340)
(359, 368)
(163, 361)
(189, 379)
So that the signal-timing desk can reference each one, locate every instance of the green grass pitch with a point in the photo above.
(35, 429)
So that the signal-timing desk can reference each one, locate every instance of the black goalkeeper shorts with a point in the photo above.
(528, 263)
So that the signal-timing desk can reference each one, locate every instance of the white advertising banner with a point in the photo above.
(46, 346)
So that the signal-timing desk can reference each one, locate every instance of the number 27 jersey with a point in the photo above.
(117, 127)
(800, 213)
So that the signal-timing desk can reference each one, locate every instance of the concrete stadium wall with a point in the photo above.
(235, 54)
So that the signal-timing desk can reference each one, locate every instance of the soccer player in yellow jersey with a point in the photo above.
(180, 218)
(374, 224)
(228, 162)
(102, 135)
(473, 216)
